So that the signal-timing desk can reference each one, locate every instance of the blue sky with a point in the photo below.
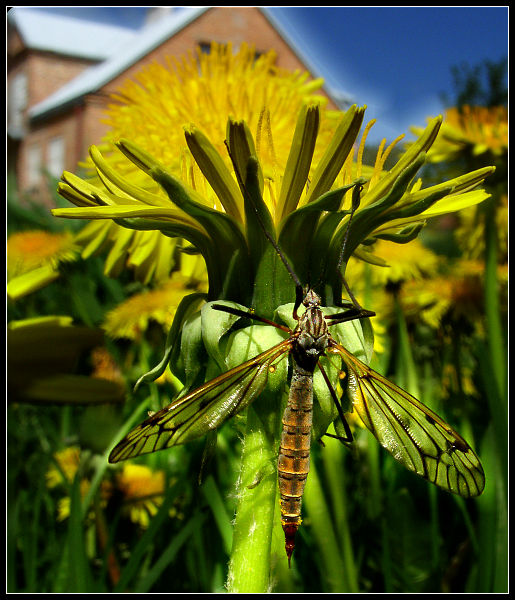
(396, 60)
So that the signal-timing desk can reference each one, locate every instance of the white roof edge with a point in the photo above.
(96, 76)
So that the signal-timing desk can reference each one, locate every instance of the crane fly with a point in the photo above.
(412, 433)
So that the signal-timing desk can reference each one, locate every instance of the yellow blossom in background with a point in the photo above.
(29, 250)
(104, 365)
(68, 461)
(477, 129)
(63, 475)
(131, 318)
(460, 292)
(478, 135)
(402, 262)
(143, 491)
(33, 259)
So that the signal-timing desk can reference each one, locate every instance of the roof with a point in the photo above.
(139, 45)
(67, 35)
(93, 78)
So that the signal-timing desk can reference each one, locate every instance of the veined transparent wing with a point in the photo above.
(202, 410)
(413, 434)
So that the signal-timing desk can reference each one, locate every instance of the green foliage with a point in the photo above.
(483, 84)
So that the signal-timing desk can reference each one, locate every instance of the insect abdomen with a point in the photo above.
(293, 466)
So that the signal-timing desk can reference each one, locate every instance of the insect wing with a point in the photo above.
(203, 410)
(413, 434)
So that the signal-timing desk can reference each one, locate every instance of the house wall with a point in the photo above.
(45, 73)
(82, 125)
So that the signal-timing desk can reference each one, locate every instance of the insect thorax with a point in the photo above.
(312, 338)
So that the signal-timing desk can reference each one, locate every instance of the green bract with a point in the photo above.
(310, 220)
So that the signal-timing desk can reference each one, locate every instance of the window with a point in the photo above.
(34, 165)
(55, 157)
(17, 98)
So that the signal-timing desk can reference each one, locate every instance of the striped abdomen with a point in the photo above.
(293, 466)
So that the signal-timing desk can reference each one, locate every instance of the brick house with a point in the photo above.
(58, 88)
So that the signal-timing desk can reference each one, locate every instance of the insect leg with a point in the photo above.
(348, 433)
(350, 314)
(249, 315)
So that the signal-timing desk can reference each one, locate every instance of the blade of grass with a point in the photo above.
(79, 575)
(144, 545)
(169, 553)
(216, 503)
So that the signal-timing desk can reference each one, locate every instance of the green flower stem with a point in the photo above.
(407, 372)
(249, 566)
(493, 509)
(493, 320)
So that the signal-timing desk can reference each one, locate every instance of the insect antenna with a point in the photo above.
(356, 198)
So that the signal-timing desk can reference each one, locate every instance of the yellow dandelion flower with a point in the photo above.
(475, 129)
(64, 475)
(68, 461)
(104, 365)
(33, 259)
(428, 299)
(223, 184)
(29, 250)
(460, 292)
(403, 262)
(131, 318)
(143, 490)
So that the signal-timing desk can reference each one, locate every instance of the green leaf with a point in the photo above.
(241, 147)
(299, 159)
(188, 305)
(337, 151)
(404, 236)
(215, 171)
(215, 325)
(71, 389)
(227, 237)
(302, 224)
